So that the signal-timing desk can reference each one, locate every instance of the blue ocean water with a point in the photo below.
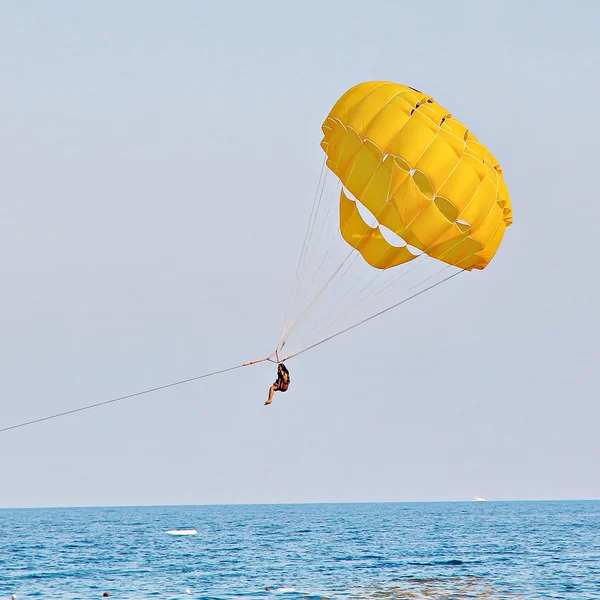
(422, 550)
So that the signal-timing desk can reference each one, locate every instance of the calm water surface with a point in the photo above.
(417, 551)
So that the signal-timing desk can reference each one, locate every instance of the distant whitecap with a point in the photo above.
(182, 532)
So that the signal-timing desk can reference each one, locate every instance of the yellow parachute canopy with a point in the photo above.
(421, 173)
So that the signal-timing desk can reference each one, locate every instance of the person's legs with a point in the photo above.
(271, 392)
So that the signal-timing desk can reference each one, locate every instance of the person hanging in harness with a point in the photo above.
(282, 383)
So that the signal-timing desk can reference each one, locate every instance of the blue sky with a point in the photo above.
(151, 153)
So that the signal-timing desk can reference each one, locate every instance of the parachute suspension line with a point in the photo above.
(304, 246)
(289, 328)
(381, 312)
(305, 255)
(293, 326)
(317, 297)
(353, 254)
(312, 298)
(331, 247)
(416, 285)
(340, 300)
(312, 253)
(320, 327)
(325, 331)
(319, 235)
(334, 240)
(324, 328)
(418, 262)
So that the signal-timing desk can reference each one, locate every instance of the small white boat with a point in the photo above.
(478, 499)
(182, 532)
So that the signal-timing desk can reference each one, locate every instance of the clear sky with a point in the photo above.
(158, 165)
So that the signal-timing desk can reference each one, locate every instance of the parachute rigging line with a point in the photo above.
(307, 236)
(324, 328)
(113, 400)
(381, 312)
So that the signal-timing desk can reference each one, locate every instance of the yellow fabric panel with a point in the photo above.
(430, 224)
(456, 128)
(408, 97)
(352, 226)
(485, 231)
(381, 255)
(420, 171)
(327, 131)
(392, 219)
(344, 146)
(389, 217)
(422, 182)
(360, 117)
(504, 196)
(386, 123)
(352, 97)
(492, 246)
(454, 233)
(411, 96)
(455, 250)
(409, 201)
(434, 111)
(400, 171)
(481, 203)
(334, 136)
(368, 240)
(464, 181)
(413, 138)
(376, 193)
(476, 149)
(447, 208)
(348, 155)
(440, 158)
(503, 193)
(473, 261)
(368, 159)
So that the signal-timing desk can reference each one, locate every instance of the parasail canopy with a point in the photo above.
(420, 173)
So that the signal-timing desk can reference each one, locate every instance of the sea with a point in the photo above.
(450, 550)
